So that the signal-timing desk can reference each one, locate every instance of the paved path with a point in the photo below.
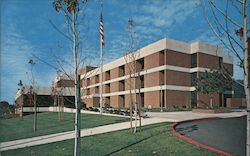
(155, 118)
(188, 115)
(228, 135)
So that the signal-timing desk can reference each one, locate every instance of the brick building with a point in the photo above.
(166, 72)
(64, 87)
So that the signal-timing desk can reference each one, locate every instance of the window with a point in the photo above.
(193, 79)
(97, 89)
(141, 61)
(142, 81)
(107, 75)
(88, 91)
(107, 88)
(194, 99)
(121, 71)
(220, 62)
(97, 79)
(121, 85)
(194, 60)
(88, 81)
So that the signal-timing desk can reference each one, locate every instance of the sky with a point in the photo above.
(27, 31)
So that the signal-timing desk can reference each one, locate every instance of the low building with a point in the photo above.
(61, 93)
(165, 74)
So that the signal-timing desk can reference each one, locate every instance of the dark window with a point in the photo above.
(193, 60)
(193, 79)
(97, 89)
(193, 99)
(88, 81)
(142, 100)
(107, 75)
(141, 61)
(142, 81)
(88, 91)
(122, 85)
(97, 79)
(220, 62)
(122, 101)
(121, 71)
(107, 90)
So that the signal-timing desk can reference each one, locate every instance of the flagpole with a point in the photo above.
(101, 67)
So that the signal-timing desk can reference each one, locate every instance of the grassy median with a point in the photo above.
(152, 140)
(48, 123)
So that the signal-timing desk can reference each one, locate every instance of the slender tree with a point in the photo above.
(232, 32)
(70, 9)
(32, 93)
(131, 61)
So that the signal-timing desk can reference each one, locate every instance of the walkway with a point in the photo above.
(155, 118)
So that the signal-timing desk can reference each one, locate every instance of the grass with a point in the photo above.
(48, 123)
(153, 140)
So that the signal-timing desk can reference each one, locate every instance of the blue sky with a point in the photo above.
(26, 30)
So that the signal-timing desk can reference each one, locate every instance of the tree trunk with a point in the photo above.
(246, 73)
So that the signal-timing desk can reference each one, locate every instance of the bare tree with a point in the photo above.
(70, 9)
(131, 58)
(33, 92)
(227, 30)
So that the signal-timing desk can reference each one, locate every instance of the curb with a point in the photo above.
(195, 142)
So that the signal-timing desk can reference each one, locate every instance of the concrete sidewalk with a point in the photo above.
(154, 118)
(70, 134)
(189, 115)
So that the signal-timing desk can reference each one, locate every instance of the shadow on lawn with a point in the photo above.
(139, 141)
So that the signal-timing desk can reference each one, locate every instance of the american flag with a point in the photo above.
(101, 31)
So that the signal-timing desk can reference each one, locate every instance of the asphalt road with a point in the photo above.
(228, 135)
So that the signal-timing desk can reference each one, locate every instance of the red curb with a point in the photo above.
(195, 142)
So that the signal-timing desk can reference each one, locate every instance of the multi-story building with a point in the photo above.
(166, 72)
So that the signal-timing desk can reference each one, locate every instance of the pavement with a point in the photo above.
(228, 135)
(155, 117)
(189, 115)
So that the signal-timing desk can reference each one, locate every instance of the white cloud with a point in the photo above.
(15, 54)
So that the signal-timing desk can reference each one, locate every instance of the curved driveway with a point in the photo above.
(228, 135)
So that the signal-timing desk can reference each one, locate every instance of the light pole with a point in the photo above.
(20, 84)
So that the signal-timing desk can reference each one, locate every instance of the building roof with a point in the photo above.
(166, 43)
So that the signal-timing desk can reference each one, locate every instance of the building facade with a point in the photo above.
(165, 74)
(61, 92)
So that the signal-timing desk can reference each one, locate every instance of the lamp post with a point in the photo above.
(20, 84)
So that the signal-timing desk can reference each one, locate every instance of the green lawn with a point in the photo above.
(47, 123)
(153, 140)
